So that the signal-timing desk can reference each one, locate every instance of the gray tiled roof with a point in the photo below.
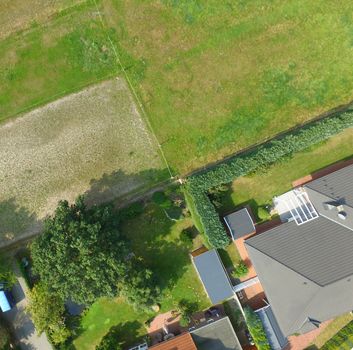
(307, 270)
(240, 223)
(213, 276)
(337, 185)
(319, 250)
(218, 335)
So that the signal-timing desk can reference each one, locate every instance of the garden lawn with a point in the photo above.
(51, 59)
(157, 240)
(259, 188)
(334, 327)
(218, 76)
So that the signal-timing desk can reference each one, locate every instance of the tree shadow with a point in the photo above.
(124, 334)
(16, 222)
(119, 184)
(153, 238)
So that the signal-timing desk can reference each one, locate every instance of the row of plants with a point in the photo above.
(198, 185)
(340, 338)
(256, 329)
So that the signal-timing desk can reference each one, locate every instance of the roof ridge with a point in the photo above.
(279, 262)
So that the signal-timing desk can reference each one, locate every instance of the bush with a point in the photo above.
(186, 309)
(263, 214)
(161, 200)
(7, 275)
(240, 270)
(256, 329)
(130, 212)
(186, 236)
(260, 157)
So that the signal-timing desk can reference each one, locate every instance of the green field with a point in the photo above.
(259, 188)
(218, 76)
(214, 77)
(157, 240)
(50, 60)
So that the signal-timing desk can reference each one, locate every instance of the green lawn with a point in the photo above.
(258, 189)
(218, 76)
(50, 60)
(334, 327)
(157, 240)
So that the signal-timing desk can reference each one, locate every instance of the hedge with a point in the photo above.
(260, 157)
(256, 329)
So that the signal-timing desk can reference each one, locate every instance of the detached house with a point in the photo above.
(305, 264)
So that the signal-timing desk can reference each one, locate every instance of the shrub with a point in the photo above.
(186, 236)
(256, 329)
(240, 270)
(263, 214)
(161, 199)
(133, 210)
(186, 309)
(260, 157)
(7, 275)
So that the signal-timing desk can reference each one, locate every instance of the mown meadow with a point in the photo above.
(218, 76)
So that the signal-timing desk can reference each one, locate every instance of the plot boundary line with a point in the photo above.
(132, 89)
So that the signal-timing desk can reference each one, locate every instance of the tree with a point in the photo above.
(80, 254)
(186, 309)
(7, 275)
(47, 312)
(139, 286)
(256, 329)
(110, 340)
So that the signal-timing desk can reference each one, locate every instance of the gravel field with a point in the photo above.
(93, 141)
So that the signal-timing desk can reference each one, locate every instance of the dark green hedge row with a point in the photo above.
(259, 157)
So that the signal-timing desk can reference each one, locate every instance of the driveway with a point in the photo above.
(25, 333)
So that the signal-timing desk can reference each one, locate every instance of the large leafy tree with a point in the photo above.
(139, 285)
(81, 254)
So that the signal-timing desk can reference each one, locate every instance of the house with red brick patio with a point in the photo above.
(303, 262)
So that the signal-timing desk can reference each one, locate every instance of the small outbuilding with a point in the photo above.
(240, 223)
(213, 276)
